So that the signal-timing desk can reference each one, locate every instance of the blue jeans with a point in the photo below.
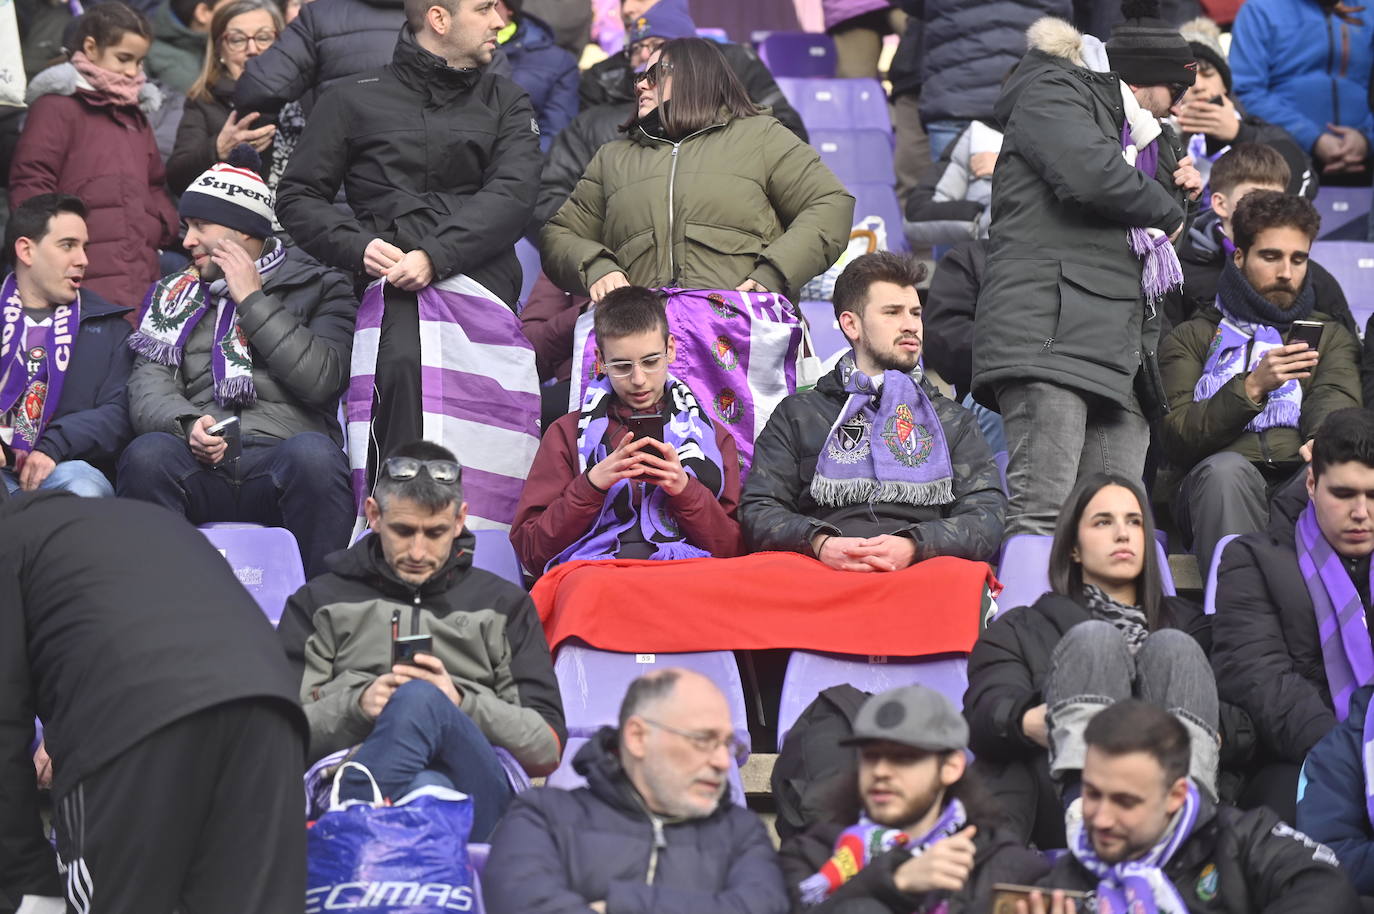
(301, 484)
(75, 476)
(941, 134)
(989, 423)
(422, 739)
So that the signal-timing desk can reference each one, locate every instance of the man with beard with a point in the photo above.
(873, 469)
(924, 836)
(1243, 397)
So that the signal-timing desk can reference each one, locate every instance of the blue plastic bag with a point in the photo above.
(410, 858)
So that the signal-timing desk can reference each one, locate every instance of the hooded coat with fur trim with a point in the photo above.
(1061, 300)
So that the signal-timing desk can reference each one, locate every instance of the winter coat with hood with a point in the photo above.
(198, 135)
(77, 142)
(778, 513)
(1332, 807)
(547, 72)
(739, 199)
(1061, 300)
(300, 336)
(177, 53)
(557, 851)
(1299, 64)
(430, 157)
(1238, 862)
(485, 630)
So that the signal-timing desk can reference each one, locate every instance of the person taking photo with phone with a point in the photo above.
(639, 471)
(418, 713)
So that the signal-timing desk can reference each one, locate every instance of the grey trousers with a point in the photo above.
(1055, 435)
(1092, 668)
(1223, 494)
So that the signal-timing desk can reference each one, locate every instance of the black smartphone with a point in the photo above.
(228, 429)
(646, 425)
(1005, 896)
(1309, 332)
(404, 649)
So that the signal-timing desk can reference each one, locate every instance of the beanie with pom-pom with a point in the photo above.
(232, 194)
(1147, 51)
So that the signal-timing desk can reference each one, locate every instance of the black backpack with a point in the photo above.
(813, 769)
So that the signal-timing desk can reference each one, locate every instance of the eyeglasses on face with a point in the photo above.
(650, 364)
(705, 743)
(444, 472)
(237, 41)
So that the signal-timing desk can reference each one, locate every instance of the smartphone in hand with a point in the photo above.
(228, 429)
(1309, 332)
(404, 648)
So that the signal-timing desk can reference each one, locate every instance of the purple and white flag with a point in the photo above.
(739, 352)
(479, 387)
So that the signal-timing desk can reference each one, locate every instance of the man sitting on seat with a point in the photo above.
(640, 472)
(873, 469)
(1290, 643)
(1243, 399)
(926, 833)
(655, 829)
(1334, 793)
(482, 676)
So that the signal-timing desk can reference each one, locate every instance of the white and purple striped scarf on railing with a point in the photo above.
(479, 387)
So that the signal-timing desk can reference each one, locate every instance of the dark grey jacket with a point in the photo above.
(1061, 299)
(300, 332)
(778, 513)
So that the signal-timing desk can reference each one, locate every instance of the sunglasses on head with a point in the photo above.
(650, 76)
(444, 472)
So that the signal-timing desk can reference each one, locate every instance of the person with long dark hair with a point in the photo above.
(1104, 632)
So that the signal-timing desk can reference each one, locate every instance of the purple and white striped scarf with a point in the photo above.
(1160, 269)
(1346, 650)
(479, 392)
(1136, 886)
(51, 371)
(1226, 358)
(738, 351)
(690, 432)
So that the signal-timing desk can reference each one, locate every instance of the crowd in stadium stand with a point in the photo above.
(604, 396)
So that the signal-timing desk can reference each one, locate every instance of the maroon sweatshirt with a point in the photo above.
(559, 504)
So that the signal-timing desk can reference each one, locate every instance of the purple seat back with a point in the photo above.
(565, 778)
(810, 673)
(880, 201)
(593, 683)
(856, 156)
(1209, 594)
(719, 36)
(515, 774)
(798, 54)
(1001, 458)
(1024, 570)
(1352, 263)
(478, 854)
(825, 330)
(1339, 207)
(839, 104)
(493, 552)
(266, 560)
(530, 268)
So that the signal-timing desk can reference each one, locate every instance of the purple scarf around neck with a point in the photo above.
(1160, 269)
(14, 368)
(693, 436)
(1346, 649)
(913, 465)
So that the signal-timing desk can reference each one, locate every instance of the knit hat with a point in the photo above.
(1204, 38)
(232, 194)
(1147, 51)
(666, 19)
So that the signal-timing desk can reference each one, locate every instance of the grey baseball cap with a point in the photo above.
(914, 716)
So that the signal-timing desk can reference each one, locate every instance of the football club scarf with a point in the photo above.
(1367, 755)
(51, 371)
(1136, 886)
(738, 351)
(887, 444)
(479, 391)
(861, 844)
(689, 431)
(1346, 650)
(176, 305)
(1160, 267)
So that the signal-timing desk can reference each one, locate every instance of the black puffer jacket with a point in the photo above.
(443, 160)
(1061, 300)
(557, 851)
(778, 513)
(572, 152)
(949, 310)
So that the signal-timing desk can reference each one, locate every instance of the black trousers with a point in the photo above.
(397, 407)
(205, 816)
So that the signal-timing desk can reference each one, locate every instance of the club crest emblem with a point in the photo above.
(667, 523)
(908, 441)
(27, 417)
(723, 351)
(596, 369)
(728, 407)
(1207, 883)
(720, 305)
(849, 444)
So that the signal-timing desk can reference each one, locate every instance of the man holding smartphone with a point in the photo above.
(1246, 389)
(640, 471)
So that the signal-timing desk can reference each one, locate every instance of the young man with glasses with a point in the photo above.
(640, 471)
(479, 679)
(655, 829)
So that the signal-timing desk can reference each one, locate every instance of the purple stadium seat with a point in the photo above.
(809, 673)
(565, 778)
(1339, 207)
(798, 54)
(825, 330)
(856, 156)
(516, 775)
(1024, 570)
(880, 201)
(838, 104)
(266, 560)
(530, 268)
(479, 904)
(493, 552)
(720, 36)
(1209, 594)
(593, 684)
(1352, 263)
(1001, 458)
(477, 855)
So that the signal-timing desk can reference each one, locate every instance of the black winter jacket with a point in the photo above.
(557, 851)
(443, 160)
(571, 153)
(949, 310)
(91, 422)
(1061, 300)
(998, 858)
(777, 512)
(196, 146)
(1241, 863)
(117, 618)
